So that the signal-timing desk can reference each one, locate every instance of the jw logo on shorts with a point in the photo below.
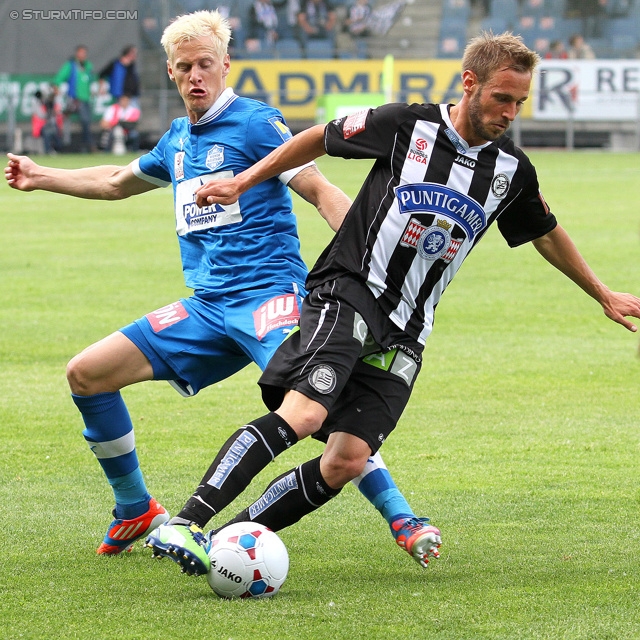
(167, 316)
(396, 362)
(281, 311)
(232, 458)
(323, 378)
(273, 494)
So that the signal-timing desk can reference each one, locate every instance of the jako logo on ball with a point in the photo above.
(248, 560)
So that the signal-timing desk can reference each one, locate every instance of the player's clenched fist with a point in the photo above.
(218, 192)
(19, 172)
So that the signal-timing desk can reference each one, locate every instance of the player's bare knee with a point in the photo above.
(338, 468)
(78, 377)
(304, 416)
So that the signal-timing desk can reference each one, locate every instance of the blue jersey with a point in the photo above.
(250, 244)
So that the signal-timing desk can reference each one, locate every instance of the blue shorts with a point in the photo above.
(198, 341)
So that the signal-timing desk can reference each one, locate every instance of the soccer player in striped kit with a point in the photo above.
(442, 175)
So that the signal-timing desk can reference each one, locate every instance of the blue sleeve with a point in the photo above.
(153, 166)
(268, 130)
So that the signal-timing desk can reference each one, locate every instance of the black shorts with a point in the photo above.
(333, 360)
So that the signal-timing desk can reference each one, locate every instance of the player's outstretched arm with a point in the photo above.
(105, 182)
(559, 250)
(332, 203)
(302, 148)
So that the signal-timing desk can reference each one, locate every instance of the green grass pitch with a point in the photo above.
(521, 441)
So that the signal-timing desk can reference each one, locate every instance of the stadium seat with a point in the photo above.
(319, 48)
(555, 8)
(623, 45)
(451, 46)
(534, 8)
(495, 24)
(505, 9)
(288, 49)
(456, 9)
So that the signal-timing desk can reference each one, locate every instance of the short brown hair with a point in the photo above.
(487, 53)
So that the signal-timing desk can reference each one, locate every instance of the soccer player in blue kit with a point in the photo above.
(242, 261)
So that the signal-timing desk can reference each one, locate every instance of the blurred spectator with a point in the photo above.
(317, 19)
(579, 49)
(47, 120)
(263, 23)
(357, 20)
(235, 22)
(120, 118)
(557, 51)
(77, 72)
(122, 75)
(291, 11)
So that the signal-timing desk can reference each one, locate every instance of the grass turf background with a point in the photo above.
(521, 440)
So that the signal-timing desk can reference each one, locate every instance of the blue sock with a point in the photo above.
(377, 486)
(109, 434)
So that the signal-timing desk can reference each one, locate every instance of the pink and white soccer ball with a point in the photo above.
(248, 560)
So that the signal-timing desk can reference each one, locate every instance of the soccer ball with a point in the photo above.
(248, 560)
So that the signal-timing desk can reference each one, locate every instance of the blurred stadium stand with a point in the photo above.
(406, 29)
(429, 28)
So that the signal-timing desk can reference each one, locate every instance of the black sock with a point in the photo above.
(289, 497)
(241, 458)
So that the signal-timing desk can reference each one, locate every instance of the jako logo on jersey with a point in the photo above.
(455, 139)
(435, 198)
(166, 316)
(215, 157)
(323, 378)
(273, 494)
(465, 162)
(232, 458)
(500, 185)
(281, 311)
(355, 123)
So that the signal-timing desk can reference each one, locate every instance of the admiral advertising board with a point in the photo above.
(598, 90)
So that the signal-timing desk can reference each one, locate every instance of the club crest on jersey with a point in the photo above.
(431, 242)
(215, 157)
(429, 197)
(500, 185)
(323, 378)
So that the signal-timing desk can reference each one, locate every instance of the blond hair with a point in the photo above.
(208, 24)
(487, 53)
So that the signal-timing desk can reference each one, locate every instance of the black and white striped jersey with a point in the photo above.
(426, 202)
